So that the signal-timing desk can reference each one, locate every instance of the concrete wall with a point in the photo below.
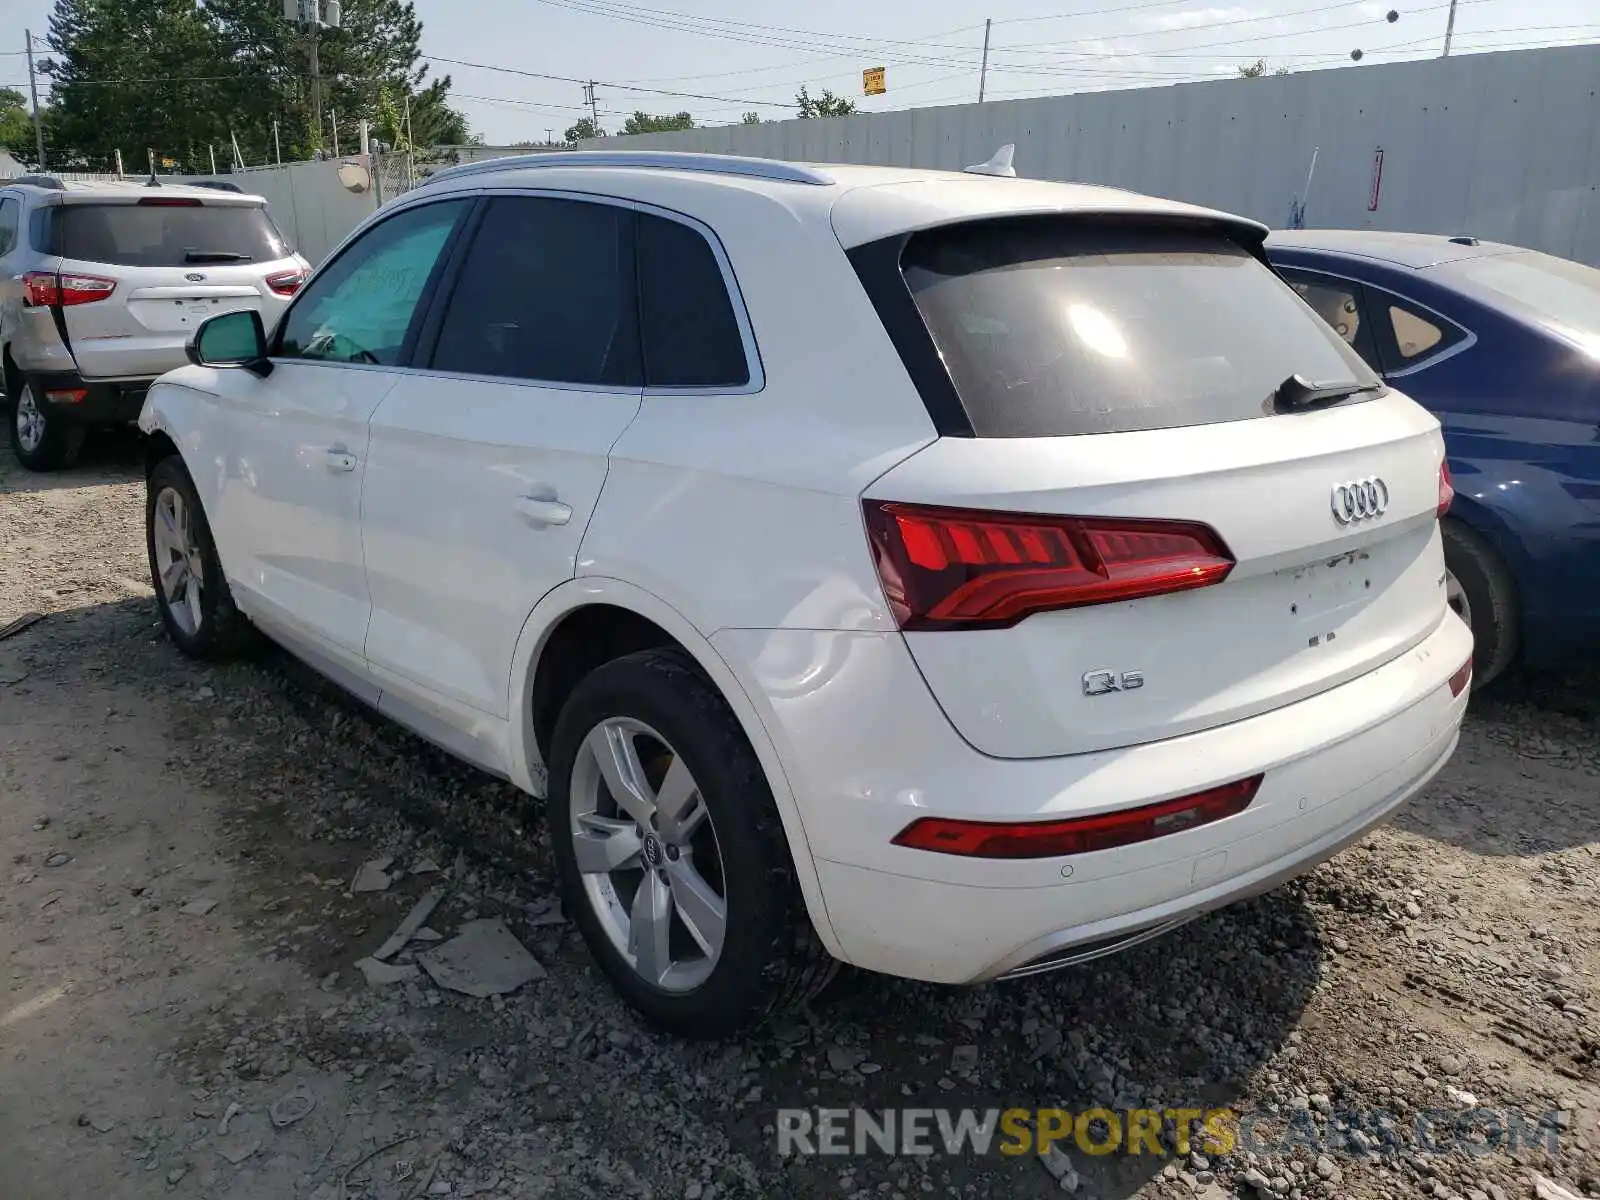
(1503, 146)
(307, 201)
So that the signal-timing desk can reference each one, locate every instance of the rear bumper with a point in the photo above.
(65, 395)
(866, 752)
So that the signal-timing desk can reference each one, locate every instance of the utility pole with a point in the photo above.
(594, 108)
(335, 115)
(1449, 28)
(316, 80)
(33, 88)
(212, 150)
(277, 147)
(983, 71)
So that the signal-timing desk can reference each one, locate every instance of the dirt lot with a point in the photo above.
(178, 934)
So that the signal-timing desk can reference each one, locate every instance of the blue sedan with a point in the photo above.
(1502, 344)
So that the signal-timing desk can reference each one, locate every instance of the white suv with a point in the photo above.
(959, 577)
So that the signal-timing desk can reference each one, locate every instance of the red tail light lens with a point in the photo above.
(286, 283)
(956, 568)
(45, 289)
(1078, 835)
(1447, 489)
(169, 202)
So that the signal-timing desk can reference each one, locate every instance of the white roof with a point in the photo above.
(863, 203)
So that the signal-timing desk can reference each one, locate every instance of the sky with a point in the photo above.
(718, 59)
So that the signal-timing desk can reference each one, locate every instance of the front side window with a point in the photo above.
(545, 294)
(1050, 327)
(360, 309)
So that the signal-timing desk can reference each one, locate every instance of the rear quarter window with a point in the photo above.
(1051, 327)
(132, 235)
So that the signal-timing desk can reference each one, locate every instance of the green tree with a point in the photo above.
(643, 122)
(179, 77)
(16, 124)
(825, 105)
(751, 118)
(585, 128)
(1258, 69)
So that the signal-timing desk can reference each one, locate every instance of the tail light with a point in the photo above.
(169, 202)
(956, 568)
(1078, 835)
(286, 283)
(1447, 489)
(46, 289)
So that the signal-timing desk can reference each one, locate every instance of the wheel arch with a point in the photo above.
(636, 612)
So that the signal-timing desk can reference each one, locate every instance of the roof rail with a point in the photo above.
(41, 181)
(664, 160)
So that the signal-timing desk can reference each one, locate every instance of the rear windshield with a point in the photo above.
(131, 235)
(1554, 292)
(1050, 328)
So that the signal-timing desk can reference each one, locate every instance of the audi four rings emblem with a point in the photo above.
(1360, 500)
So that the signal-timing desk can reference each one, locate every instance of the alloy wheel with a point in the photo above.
(648, 854)
(180, 568)
(30, 421)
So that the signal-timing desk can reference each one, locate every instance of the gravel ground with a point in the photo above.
(179, 934)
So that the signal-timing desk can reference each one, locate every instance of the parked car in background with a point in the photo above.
(1502, 344)
(946, 574)
(101, 287)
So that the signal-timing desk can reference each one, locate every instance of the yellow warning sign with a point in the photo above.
(872, 82)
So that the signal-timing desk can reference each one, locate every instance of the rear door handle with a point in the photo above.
(341, 460)
(544, 510)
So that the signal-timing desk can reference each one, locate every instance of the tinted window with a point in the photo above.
(1408, 336)
(1339, 304)
(1051, 328)
(360, 307)
(1555, 292)
(690, 335)
(546, 293)
(10, 217)
(165, 235)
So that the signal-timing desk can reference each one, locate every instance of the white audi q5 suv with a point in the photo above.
(953, 575)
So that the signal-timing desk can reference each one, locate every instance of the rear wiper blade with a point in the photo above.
(1297, 392)
(214, 256)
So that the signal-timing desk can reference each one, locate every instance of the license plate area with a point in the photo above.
(1331, 587)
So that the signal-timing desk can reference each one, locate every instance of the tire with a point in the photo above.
(41, 440)
(1482, 591)
(206, 626)
(769, 958)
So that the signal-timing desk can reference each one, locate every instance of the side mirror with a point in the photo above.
(234, 339)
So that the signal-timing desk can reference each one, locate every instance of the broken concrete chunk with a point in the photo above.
(1059, 1165)
(425, 866)
(427, 934)
(484, 959)
(380, 974)
(964, 1060)
(374, 875)
(237, 1152)
(198, 908)
(407, 929)
(291, 1107)
(845, 1058)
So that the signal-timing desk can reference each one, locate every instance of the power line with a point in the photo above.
(459, 62)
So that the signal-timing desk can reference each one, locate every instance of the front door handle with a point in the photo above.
(341, 460)
(544, 510)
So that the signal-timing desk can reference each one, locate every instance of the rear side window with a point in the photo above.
(166, 235)
(1051, 327)
(545, 294)
(10, 220)
(690, 334)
